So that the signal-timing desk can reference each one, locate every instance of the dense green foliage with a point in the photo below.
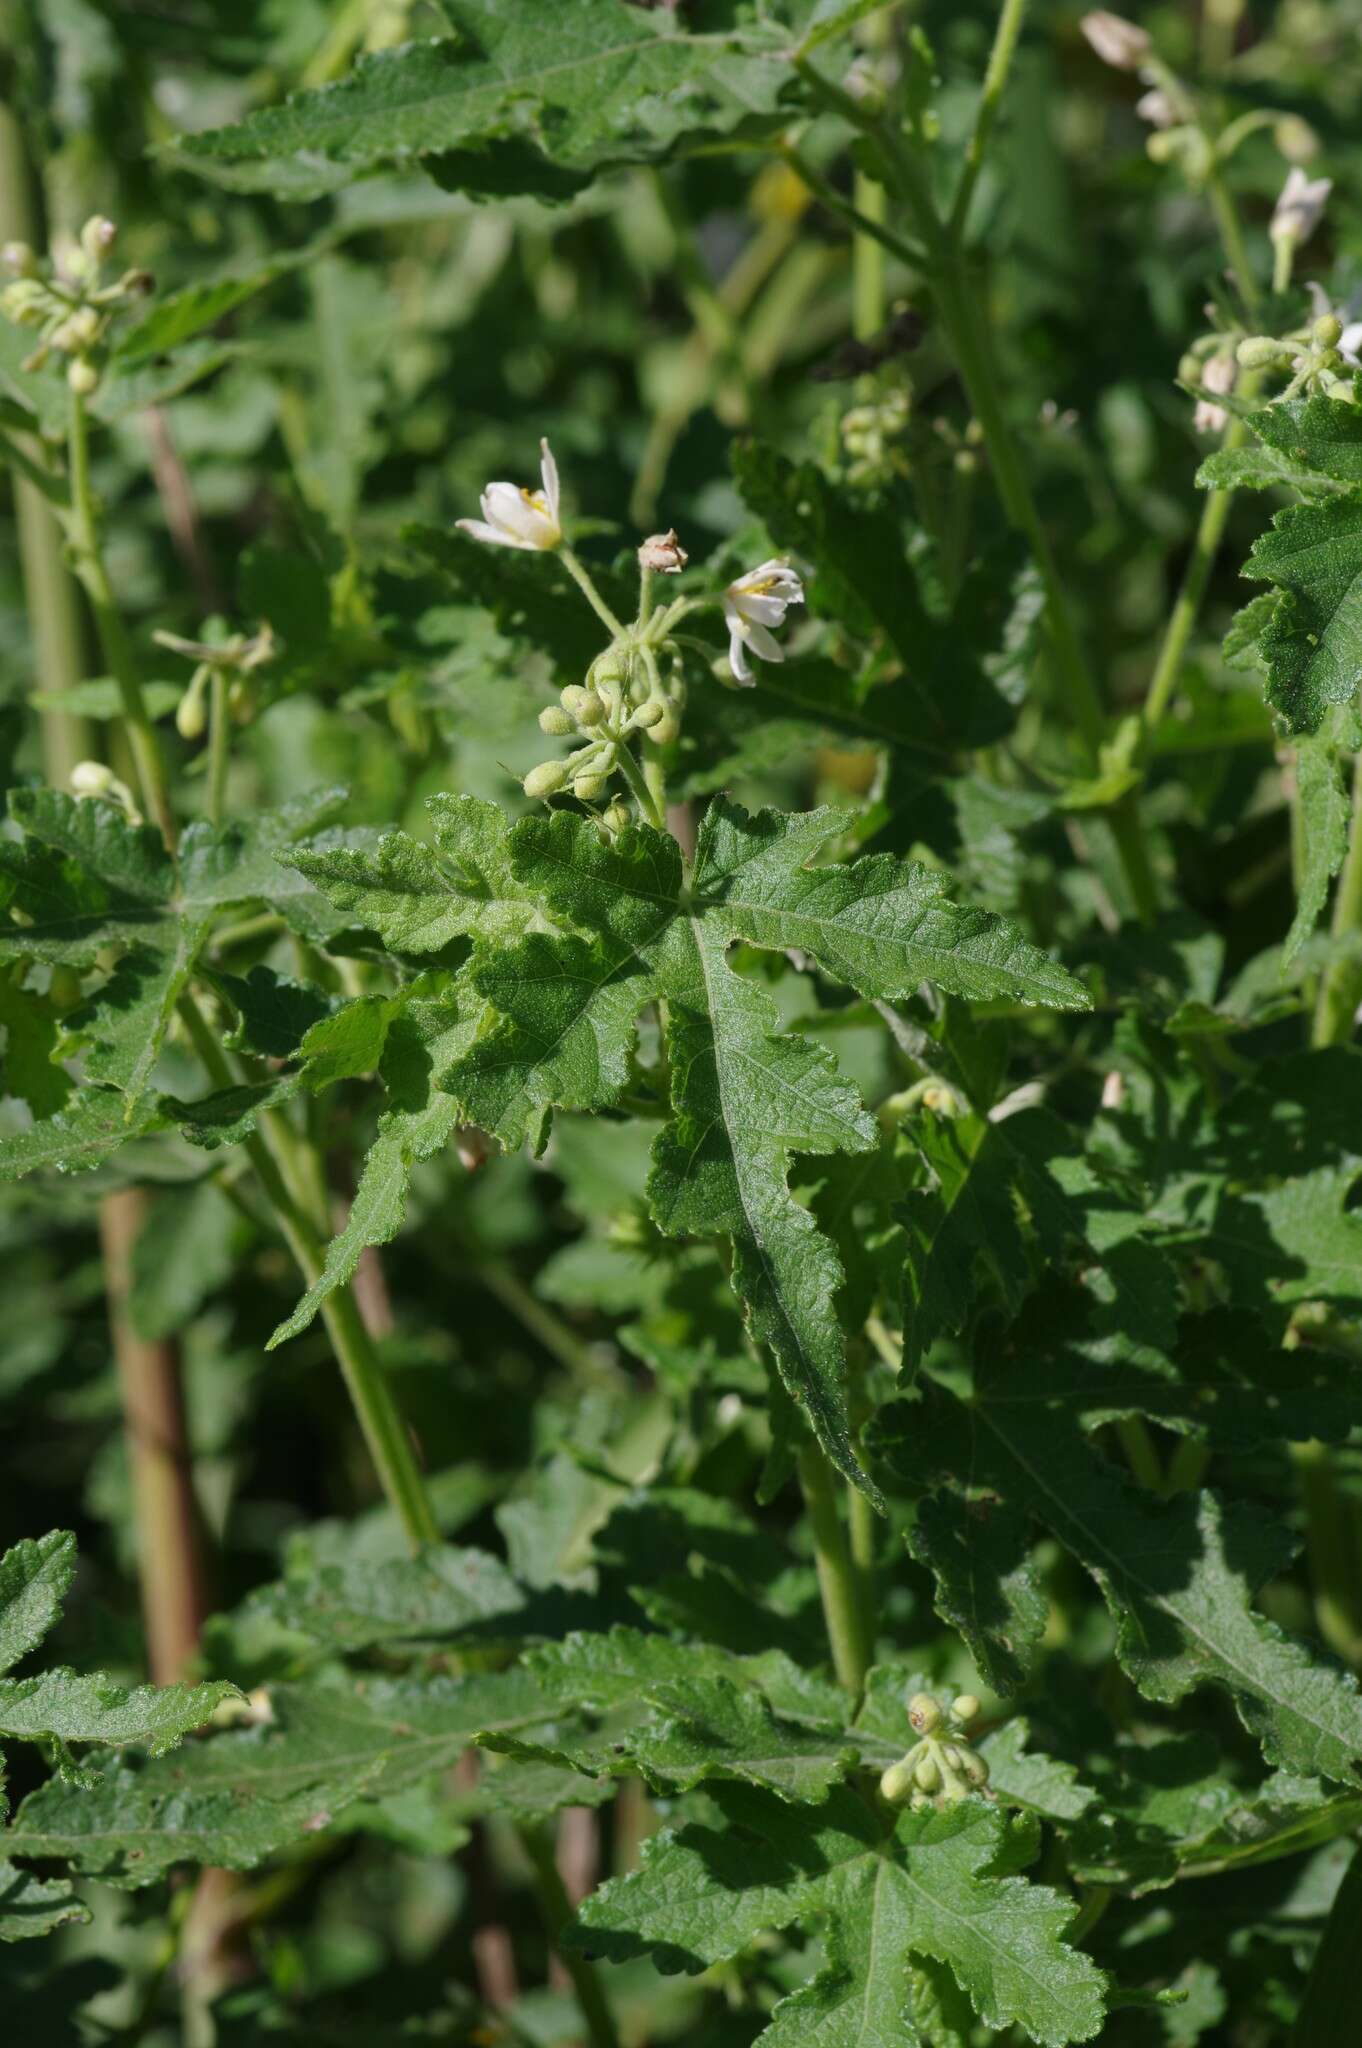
(681, 1207)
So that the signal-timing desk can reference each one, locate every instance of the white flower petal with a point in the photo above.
(495, 536)
(761, 642)
(548, 470)
(737, 656)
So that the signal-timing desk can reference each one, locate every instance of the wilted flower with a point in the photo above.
(664, 552)
(516, 518)
(1117, 41)
(1300, 207)
(752, 605)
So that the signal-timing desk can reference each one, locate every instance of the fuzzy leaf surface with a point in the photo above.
(926, 1887)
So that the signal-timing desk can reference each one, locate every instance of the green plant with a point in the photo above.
(809, 1103)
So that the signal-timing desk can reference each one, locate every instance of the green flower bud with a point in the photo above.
(591, 710)
(651, 713)
(573, 698)
(1261, 352)
(951, 1755)
(554, 720)
(92, 778)
(667, 728)
(97, 237)
(924, 1714)
(191, 713)
(82, 377)
(590, 788)
(544, 780)
(1327, 331)
(927, 1774)
(966, 1707)
(975, 1767)
(617, 816)
(897, 1782)
(25, 302)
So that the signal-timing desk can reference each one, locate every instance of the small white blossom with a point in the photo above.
(752, 605)
(516, 518)
(1155, 107)
(1217, 376)
(1118, 42)
(1300, 207)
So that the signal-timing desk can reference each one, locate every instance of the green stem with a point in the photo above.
(1141, 1454)
(837, 1582)
(219, 745)
(970, 345)
(1232, 240)
(1330, 1550)
(52, 601)
(542, 1324)
(88, 561)
(556, 1910)
(1196, 576)
(1341, 990)
(589, 591)
(383, 1427)
(637, 782)
(995, 81)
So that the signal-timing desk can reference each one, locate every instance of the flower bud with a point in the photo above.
(651, 713)
(591, 710)
(951, 1755)
(92, 778)
(82, 377)
(24, 302)
(573, 698)
(79, 331)
(1327, 331)
(1261, 352)
(663, 552)
(897, 1782)
(965, 1707)
(18, 257)
(1116, 41)
(927, 1774)
(924, 1714)
(544, 780)
(97, 237)
(554, 720)
(667, 728)
(975, 1767)
(1296, 139)
(191, 713)
(617, 816)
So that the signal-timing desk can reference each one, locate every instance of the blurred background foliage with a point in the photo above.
(393, 347)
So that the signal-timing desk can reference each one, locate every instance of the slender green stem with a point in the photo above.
(1330, 1549)
(1141, 1454)
(837, 1582)
(1341, 989)
(1232, 240)
(219, 745)
(589, 591)
(1187, 607)
(911, 253)
(995, 81)
(88, 561)
(544, 1326)
(637, 782)
(383, 1427)
(556, 1910)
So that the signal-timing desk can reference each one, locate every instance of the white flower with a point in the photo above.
(1217, 376)
(516, 518)
(1350, 340)
(752, 605)
(1299, 209)
(1117, 41)
(1155, 107)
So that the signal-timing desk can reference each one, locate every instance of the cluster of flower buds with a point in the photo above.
(1319, 358)
(66, 302)
(872, 438)
(233, 655)
(624, 694)
(941, 1768)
